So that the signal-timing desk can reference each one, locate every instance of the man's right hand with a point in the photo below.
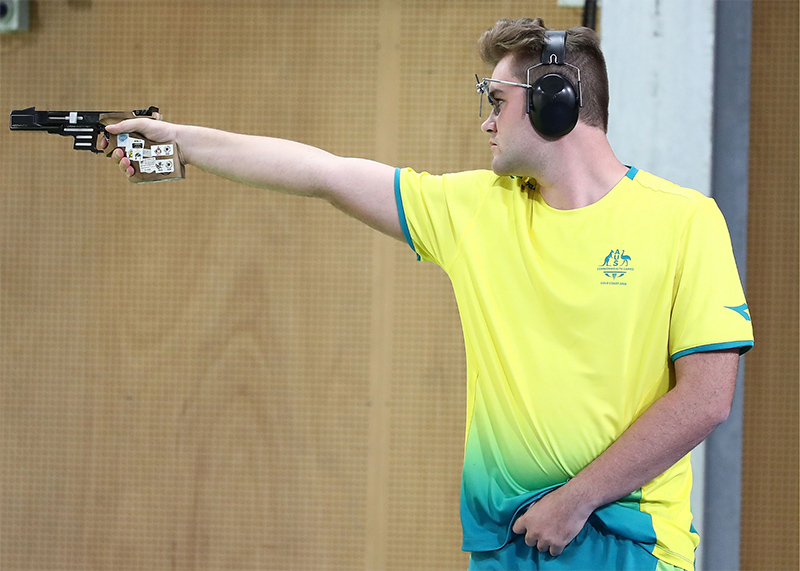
(155, 130)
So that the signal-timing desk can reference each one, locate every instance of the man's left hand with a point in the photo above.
(552, 522)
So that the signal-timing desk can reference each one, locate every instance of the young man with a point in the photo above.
(601, 307)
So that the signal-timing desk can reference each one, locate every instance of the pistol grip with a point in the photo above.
(151, 161)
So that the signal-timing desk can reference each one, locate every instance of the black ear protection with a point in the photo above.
(553, 101)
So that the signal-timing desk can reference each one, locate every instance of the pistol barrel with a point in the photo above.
(53, 121)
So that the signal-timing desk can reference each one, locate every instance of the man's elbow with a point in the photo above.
(717, 412)
(710, 410)
(721, 414)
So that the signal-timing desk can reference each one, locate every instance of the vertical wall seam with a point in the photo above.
(387, 131)
(729, 176)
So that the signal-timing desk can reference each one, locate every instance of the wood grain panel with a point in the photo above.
(771, 447)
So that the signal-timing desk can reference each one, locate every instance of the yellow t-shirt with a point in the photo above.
(571, 321)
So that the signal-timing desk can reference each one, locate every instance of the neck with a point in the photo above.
(583, 170)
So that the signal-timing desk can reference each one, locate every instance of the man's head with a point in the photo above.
(524, 40)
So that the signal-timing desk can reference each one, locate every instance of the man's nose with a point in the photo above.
(489, 125)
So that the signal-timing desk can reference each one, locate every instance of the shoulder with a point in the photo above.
(466, 180)
(657, 188)
(669, 201)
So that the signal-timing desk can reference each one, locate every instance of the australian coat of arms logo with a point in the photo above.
(616, 265)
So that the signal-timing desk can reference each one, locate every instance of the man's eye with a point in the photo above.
(496, 105)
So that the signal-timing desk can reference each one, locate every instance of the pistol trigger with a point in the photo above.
(149, 112)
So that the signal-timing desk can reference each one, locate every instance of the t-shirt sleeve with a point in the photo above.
(709, 310)
(435, 210)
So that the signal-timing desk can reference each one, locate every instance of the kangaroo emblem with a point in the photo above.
(616, 265)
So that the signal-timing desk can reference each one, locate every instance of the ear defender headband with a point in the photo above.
(553, 102)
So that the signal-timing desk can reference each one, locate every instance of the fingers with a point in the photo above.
(543, 546)
(533, 540)
(151, 130)
(127, 126)
(518, 527)
(123, 161)
(126, 167)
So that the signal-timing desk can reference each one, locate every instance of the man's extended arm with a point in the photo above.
(361, 188)
(667, 431)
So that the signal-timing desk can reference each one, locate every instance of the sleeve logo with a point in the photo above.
(741, 310)
(616, 266)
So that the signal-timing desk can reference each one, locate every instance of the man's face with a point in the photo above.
(511, 134)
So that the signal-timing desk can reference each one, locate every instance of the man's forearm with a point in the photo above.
(664, 434)
(362, 188)
(277, 164)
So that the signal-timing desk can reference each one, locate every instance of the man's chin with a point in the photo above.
(499, 168)
(503, 170)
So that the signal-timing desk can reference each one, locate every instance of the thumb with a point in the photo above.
(128, 126)
(155, 131)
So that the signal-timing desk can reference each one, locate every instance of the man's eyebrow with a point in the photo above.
(494, 91)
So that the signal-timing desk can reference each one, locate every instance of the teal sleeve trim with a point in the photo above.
(743, 346)
(401, 211)
(631, 172)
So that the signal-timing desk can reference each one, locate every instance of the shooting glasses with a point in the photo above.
(483, 84)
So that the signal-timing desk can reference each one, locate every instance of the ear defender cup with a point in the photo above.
(553, 105)
(553, 102)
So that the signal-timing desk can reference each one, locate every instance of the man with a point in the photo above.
(602, 312)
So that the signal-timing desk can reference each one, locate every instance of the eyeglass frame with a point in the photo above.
(483, 84)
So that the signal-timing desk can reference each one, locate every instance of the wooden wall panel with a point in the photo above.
(770, 499)
(200, 375)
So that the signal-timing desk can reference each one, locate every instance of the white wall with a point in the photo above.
(660, 57)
